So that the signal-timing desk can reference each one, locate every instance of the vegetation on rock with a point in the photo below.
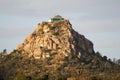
(54, 51)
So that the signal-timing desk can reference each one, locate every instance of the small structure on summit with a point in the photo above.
(56, 18)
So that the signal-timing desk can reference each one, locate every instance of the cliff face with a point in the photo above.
(56, 37)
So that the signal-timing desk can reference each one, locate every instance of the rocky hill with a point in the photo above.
(56, 37)
(54, 51)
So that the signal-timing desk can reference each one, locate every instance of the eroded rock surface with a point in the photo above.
(56, 37)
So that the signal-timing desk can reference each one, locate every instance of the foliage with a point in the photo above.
(105, 57)
(4, 52)
(45, 77)
(20, 76)
(52, 27)
(56, 33)
(95, 68)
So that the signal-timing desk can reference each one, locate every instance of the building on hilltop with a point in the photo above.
(56, 18)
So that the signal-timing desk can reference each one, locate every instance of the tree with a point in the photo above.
(105, 57)
(3, 52)
(20, 76)
(98, 54)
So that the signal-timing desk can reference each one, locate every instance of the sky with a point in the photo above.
(97, 20)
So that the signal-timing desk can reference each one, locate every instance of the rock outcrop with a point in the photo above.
(56, 37)
(55, 51)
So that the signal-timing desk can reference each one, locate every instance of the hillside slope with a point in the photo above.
(54, 51)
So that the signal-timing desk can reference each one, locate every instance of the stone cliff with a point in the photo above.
(56, 37)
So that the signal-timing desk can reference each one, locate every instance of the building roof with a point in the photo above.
(56, 18)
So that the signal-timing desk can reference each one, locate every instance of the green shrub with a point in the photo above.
(52, 27)
(20, 76)
(44, 77)
(56, 33)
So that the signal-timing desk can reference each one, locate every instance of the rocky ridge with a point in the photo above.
(57, 37)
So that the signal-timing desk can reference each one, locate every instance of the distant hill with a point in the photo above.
(55, 51)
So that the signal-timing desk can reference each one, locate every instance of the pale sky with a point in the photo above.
(98, 20)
